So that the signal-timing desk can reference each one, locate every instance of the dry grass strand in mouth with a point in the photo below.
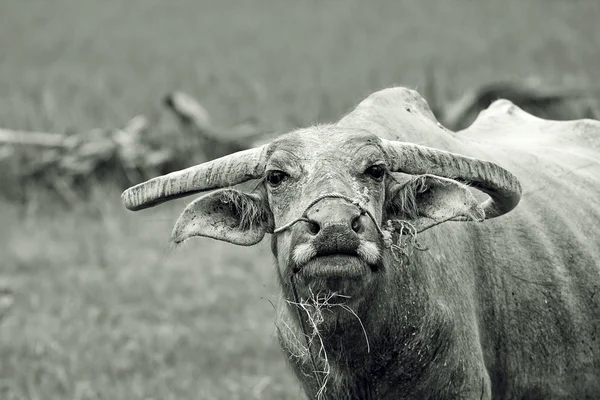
(313, 308)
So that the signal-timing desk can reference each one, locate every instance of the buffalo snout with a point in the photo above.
(336, 238)
(335, 226)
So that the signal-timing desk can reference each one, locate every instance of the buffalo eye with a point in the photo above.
(376, 172)
(275, 177)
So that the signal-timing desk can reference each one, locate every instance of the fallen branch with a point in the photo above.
(41, 139)
(70, 164)
(213, 142)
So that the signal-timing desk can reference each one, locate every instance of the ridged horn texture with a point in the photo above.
(503, 187)
(222, 172)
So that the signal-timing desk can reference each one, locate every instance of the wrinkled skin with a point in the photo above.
(504, 309)
(312, 173)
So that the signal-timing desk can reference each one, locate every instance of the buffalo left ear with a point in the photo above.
(228, 215)
(429, 200)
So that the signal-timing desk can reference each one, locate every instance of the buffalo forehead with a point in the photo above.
(329, 160)
(326, 145)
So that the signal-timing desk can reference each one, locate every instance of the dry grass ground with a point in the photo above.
(93, 302)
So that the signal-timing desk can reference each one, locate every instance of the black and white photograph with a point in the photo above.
(299, 200)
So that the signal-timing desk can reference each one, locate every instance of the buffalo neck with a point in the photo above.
(397, 324)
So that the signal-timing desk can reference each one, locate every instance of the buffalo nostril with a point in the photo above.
(356, 224)
(313, 227)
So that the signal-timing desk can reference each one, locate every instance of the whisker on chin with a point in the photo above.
(368, 251)
(303, 253)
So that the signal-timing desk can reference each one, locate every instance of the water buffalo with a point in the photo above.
(412, 263)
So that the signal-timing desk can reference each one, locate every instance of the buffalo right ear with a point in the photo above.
(228, 215)
(429, 200)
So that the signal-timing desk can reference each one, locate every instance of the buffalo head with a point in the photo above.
(333, 199)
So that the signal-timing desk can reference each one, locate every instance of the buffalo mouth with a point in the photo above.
(343, 274)
(343, 266)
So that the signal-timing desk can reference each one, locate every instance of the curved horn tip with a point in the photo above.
(126, 200)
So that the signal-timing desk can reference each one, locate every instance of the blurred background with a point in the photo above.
(94, 302)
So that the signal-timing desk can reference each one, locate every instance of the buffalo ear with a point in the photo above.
(228, 215)
(429, 200)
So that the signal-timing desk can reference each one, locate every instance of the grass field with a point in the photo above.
(94, 304)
